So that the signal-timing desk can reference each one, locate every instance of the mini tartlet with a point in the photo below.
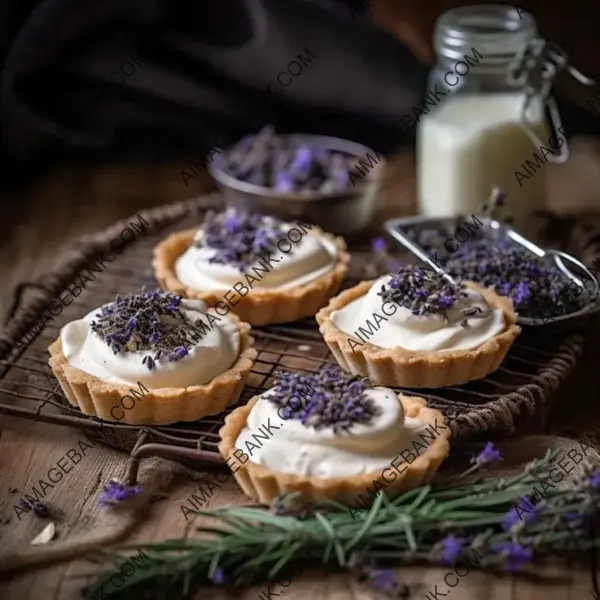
(262, 269)
(153, 358)
(341, 439)
(434, 333)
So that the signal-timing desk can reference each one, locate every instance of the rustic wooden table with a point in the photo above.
(72, 202)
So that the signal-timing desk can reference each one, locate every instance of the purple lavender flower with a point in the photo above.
(356, 387)
(259, 158)
(571, 516)
(511, 519)
(116, 492)
(341, 178)
(218, 576)
(524, 512)
(515, 554)
(232, 223)
(446, 302)
(283, 183)
(408, 284)
(385, 579)
(137, 323)
(502, 265)
(262, 240)
(303, 159)
(243, 245)
(328, 398)
(378, 245)
(295, 403)
(488, 454)
(451, 549)
(522, 293)
(594, 479)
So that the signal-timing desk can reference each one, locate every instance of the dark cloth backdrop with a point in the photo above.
(157, 80)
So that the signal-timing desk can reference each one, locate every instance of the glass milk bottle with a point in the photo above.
(474, 137)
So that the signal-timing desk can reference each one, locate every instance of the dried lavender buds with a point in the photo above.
(329, 398)
(287, 164)
(150, 321)
(424, 293)
(239, 238)
(537, 288)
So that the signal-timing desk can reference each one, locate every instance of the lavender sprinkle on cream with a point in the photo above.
(424, 294)
(239, 238)
(150, 321)
(329, 398)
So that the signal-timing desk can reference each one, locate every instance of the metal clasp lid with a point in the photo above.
(535, 67)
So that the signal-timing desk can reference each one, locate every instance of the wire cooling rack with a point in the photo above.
(534, 368)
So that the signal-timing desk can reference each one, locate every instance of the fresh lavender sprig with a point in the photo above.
(432, 524)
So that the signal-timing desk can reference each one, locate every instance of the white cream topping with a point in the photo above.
(214, 353)
(396, 327)
(288, 446)
(311, 257)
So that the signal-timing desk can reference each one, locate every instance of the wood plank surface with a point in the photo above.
(72, 202)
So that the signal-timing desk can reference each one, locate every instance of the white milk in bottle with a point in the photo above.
(473, 139)
(472, 142)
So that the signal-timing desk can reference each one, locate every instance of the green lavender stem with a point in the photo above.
(250, 543)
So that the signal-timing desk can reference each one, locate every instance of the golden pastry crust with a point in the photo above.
(264, 484)
(416, 369)
(160, 406)
(260, 306)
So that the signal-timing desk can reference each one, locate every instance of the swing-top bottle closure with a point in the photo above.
(535, 68)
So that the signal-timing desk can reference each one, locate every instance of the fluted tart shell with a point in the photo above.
(259, 306)
(159, 406)
(264, 484)
(401, 367)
